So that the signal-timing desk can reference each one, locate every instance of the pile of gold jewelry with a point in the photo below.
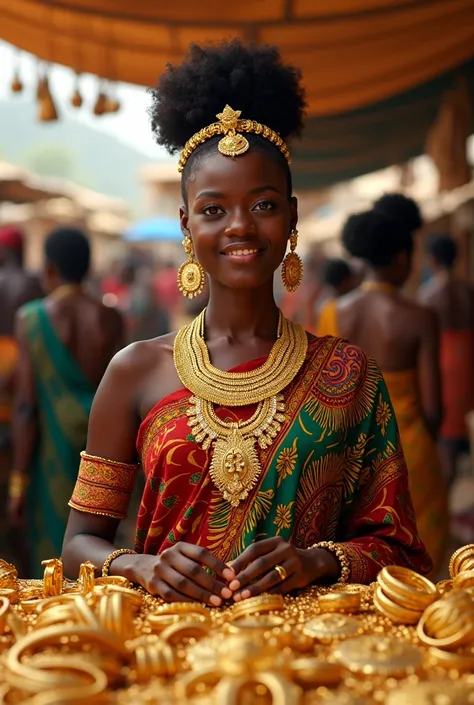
(98, 640)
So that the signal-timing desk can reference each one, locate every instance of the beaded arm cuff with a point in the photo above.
(340, 554)
(103, 486)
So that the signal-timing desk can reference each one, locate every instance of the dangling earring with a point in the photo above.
(191, 276)
(292, 267)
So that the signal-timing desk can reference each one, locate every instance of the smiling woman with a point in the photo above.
(268, 463)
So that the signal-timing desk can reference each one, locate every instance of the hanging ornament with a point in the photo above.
(76, 98)
(41, 88)
(112, 104)
(100, 104)
(16, 84)
(47, 108)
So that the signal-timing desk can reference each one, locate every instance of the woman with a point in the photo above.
(285, 470)
(403, 338)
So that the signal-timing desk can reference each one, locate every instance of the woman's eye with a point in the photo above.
(264, 206)
(212, 210)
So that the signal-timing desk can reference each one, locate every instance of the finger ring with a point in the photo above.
(281, 572)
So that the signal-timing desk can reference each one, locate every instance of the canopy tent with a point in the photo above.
(154, 230)
(371, 67)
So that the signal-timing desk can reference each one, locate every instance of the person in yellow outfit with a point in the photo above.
(403, 338)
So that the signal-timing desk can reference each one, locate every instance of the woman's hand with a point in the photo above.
(302, 566)
(178, 574)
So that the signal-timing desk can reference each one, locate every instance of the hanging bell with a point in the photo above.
(41, 87)
(100, 104)
(76, 98)
(16, 84)
(112, 105)
(47, 108)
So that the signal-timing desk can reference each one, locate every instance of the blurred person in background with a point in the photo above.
(65, 343)
(452, 300)
(403, 338)
(338, 279)
(17, 287)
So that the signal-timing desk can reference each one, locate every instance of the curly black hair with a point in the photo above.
(69, 250)
(375, 238)
(400, 208)
(335, 271)
(443, 248)
(250, 78)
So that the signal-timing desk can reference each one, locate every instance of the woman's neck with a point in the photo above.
(241, 314)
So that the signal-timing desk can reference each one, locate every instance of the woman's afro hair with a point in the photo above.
(249, 78)
(400, 208)
(375, 238)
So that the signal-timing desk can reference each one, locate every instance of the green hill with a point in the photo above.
(70, 149)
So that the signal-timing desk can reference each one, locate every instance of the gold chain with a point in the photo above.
(381, 287)
(194, 368)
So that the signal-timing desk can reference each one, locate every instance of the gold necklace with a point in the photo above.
(382, 287)
(194, 368)
(66, 289)
(235, 465)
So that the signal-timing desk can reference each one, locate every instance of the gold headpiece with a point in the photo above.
(233, 143)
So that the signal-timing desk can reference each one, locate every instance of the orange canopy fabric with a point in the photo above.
(352, 52)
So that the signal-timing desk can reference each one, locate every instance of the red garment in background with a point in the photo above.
(457, 371)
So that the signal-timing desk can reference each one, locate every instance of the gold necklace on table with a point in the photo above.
(235, 466)
(382, 287)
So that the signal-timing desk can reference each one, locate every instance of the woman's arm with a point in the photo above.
(379, 527)
(102, 495)
(429, 376)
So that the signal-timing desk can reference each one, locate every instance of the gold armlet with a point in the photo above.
(18, 485)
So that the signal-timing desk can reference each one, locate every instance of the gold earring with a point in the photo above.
(292, 267)
(191, 276)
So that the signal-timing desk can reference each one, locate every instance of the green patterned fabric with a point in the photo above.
(64, 398)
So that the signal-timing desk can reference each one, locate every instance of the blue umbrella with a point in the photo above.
(154, 229)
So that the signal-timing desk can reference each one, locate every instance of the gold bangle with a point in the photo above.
(395, 612)
(463, 580)
(17, 484)
(340, 554)
(112, 557)
(407, 588)
(259, 604)
(340, 602)
(86, 577)
(4, 607)
(462, 559)
(447, 659)
(53, 577)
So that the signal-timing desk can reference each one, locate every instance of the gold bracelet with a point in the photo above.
(406, 588)
(337, 551)
(17, 485)
(112, 557)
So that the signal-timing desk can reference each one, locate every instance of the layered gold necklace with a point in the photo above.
(235, 466)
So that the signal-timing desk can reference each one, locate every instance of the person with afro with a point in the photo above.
(256, 461)
(65, 344)
(403, 337)
(452, 300)
(338, 279)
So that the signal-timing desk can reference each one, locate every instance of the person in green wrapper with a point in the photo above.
(65, 344)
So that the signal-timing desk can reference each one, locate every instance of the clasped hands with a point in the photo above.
(185, 572)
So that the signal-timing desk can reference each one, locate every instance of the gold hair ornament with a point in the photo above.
(233, 144)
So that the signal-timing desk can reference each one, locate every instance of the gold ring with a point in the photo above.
(281, 572)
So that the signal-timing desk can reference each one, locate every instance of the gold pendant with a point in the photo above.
(235, 467)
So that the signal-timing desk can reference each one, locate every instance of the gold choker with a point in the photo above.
(234, 143)
(196, 372)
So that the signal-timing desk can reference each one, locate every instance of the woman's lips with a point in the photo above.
(242, 255)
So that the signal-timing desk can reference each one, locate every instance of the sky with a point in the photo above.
(130, 124)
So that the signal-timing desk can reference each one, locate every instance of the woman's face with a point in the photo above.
(239, 217)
